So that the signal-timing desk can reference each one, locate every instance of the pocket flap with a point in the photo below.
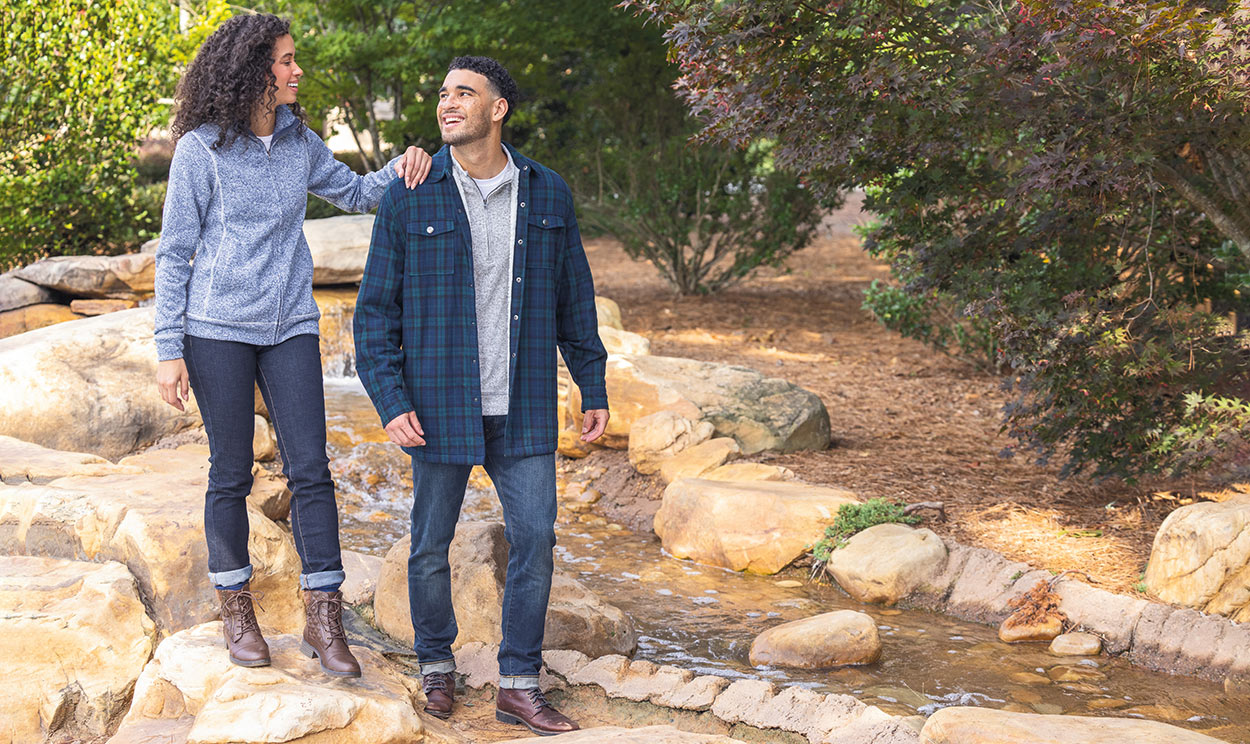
(547, 221)
(431, 227)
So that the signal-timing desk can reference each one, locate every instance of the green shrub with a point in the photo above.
(853, 518)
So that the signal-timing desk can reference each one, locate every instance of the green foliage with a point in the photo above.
(1063, 189)
(705, 217)
(79, 83)
(853, 518)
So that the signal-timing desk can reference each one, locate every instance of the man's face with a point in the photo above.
(466, 103)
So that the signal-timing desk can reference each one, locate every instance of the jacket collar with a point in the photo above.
(441, 163)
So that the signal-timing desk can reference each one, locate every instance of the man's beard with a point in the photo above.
(471, 130)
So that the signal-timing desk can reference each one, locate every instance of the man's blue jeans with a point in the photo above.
(224, 375)
(527, 492)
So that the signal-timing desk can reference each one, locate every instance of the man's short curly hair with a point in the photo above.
(497, 74)
(230, 76)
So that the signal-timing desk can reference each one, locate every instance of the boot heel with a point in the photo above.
(306, 649)
(505, 718)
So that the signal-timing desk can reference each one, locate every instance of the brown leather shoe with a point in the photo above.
(440, 693)
(324, 637)
(529, 707)
(244, 642)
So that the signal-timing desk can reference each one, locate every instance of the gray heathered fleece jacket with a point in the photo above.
(239, 212)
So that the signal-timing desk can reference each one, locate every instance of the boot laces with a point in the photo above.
(435, 681)
(329, 610)
(537, 698)
(239, 604)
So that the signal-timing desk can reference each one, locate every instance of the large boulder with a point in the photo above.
(758, 526)
(25, 461)
(644, 735)
(576, 617)
(960, 725)
(73, 639)
(1201, 558)
(657, 437)
(153, 522)
(761, 413)
(887, 562)
(608, 313)
(15, 293)
(34, 317)
(121, 277)
(190, 677)
(87, 386)
(339, 247)
(616, 341)
(831, 639)
(702, 458)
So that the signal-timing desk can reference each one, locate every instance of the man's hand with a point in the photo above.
(406, 430)
(594, 422)
(414, 166)
(173, 382)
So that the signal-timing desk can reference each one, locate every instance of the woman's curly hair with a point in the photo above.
(230, 76)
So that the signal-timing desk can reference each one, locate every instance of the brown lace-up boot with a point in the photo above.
(324, 637)
(246, 645)
(529, 707)
(440, 693)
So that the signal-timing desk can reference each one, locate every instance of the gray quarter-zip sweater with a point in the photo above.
(239, 212)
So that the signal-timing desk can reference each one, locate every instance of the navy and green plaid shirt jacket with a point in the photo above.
(416, 321)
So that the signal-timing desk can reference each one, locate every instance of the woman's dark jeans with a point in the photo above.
(223, 375)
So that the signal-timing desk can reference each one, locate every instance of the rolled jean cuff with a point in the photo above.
(230, 578)
(315, 581)
(516, 682)
(438, 667)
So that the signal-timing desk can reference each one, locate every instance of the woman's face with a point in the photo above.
(285, 71)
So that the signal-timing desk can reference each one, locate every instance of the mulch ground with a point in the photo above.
(909, 423)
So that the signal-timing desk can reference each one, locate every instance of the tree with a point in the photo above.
(1068, 176)
(79, 83)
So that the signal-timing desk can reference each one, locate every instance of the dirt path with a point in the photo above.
(909, 423)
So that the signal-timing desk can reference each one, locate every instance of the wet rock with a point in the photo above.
(758, 527)
(985, 582)
(98, 373)
(1029, 678)
(608, 313)
(270, 494)
(18, 293)
(33, 317)
(760, 413)
(101, 307)
(1045, 629)
(576, 617)
(1074, 673)
(832, 639)
(888, 562)
(153, 523)
(645, 735)
(960, 725)
(699, 459)
(75, 639)
(1201, 558)
(120, 277)
(25, 461)
(616, 341)
(655, 438)
(362, 576)
(749, 471)
(1105, 704)
(1111, 616)
(190, 676)
(339, 247)
(1076, 644)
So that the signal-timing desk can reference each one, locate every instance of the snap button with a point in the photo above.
(516, 317)
(522, 205)
(429, 229)
(520, 242)
(544, 222)
(518, 280)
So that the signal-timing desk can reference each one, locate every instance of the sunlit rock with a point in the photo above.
(749, 471)
(87, 386)
(338, 349)
(16, 293)
(608, 313)
(121, 277)
(655, 438)
(760, 527)
(33, 317)
(89, 307)
(270, 494)
(887, 562)
(362, 576)
(75, 638)
(616, 341)
(339, 247)
(644, 735)
(190, 676)
(26, 461)
(832, 639)
(1076, 644)
(1201, 558)
(693, 462)
(960, 725)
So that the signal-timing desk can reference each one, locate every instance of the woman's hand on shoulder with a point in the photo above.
(414, 166)
(173, 382)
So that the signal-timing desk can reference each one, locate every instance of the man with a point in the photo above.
(473, 280)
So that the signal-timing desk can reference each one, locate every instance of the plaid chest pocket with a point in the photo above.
(431, 247)
(546, 234)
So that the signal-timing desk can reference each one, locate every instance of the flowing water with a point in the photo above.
(704, 619)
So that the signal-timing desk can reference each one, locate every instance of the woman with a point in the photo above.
(242, 315)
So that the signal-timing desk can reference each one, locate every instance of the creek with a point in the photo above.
(704, 618)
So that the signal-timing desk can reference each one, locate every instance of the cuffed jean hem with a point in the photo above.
(230, 578)
(518, 682)
(314, 581)
(438, 667)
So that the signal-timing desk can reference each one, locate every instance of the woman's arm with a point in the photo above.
(332, 180)
(190, 189)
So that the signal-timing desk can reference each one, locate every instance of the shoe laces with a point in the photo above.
(537, 698)
(240, 606)
(435, 681)
(329, 610)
